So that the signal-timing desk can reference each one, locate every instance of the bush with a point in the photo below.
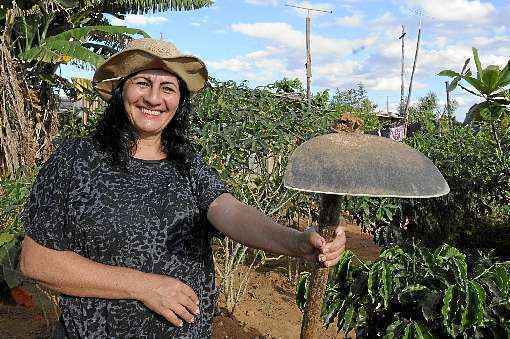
(418, 292)
(12, 198)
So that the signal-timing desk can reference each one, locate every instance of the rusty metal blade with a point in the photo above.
(363, 165)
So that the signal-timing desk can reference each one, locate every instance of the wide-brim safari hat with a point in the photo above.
(143, 54)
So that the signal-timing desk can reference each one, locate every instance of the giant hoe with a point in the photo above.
(354, 164)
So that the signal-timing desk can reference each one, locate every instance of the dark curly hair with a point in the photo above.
(117, 137)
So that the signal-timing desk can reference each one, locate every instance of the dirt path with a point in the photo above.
(268, 309)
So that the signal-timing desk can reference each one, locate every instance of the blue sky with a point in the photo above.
(263, 40)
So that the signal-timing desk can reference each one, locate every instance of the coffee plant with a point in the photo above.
(417, 292)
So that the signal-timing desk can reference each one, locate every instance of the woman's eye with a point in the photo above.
(142, 84)
(168, 90)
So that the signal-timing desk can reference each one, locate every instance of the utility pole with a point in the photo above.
(406, 117)
(402, 87)
(308, 51)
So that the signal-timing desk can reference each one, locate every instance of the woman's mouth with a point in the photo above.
(150, 112)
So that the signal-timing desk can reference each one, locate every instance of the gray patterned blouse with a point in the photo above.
(151, 218)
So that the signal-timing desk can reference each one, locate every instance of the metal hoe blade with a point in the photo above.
(360, 165)
(363, 165)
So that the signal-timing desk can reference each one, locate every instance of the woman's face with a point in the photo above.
(151, 99)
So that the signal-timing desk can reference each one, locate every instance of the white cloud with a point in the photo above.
(138, 20)
(440, 41)
(384, 19)
(287, 36)
(262, 2)
(235, 64)
(456, 10)
(354, 20)
(259, 69)
(263, 54)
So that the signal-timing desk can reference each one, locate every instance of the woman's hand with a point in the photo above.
(169, 297)
(314, 248)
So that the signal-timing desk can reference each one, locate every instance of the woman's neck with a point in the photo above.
(149, 148)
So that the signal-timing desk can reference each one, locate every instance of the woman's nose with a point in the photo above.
(153, 96)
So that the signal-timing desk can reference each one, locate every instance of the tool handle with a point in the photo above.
(329, 218)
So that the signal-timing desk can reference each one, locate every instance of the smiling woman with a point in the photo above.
(151, 99)
(120, 222)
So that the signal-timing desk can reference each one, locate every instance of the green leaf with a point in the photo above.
(477, 84)
(453, 85)
(61, 51)
(474, 112)
(491, 78)
(391, 331)
(348, 319)
(473, 313)
(67, 3)
(422, 332)
(69, 45)
(148, 6)
(409, 332)
(412, 294)
(302, 290)
(372, 278)
(342, 268)
(5, 238)
(504, 78)
(332, 312)
(11, 277)
(83, 32)
(448, 73)
(387, 284)
(450, 309)
(479, 71)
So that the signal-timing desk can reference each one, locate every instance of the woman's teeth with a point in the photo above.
(150, 112)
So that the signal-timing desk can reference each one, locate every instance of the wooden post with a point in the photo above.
(402, 87)
(308, 64)
(308, 52)
(448, 107)
(406, 123)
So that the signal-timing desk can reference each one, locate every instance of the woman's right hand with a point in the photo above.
(169, 297)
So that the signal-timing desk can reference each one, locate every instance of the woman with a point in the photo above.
(120, 223)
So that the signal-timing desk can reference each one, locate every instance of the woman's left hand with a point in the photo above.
(314, 248)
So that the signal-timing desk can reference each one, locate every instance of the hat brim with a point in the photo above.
(189, 68)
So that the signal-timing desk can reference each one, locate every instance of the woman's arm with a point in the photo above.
(252, 228)
(72, 274)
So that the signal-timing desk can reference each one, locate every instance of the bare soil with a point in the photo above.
(267, 310)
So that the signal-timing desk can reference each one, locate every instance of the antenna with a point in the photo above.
(308, 51)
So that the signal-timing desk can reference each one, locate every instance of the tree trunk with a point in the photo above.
(26, 125)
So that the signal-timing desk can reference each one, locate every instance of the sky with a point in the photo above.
(263, 41)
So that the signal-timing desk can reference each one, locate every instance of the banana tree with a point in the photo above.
(490, 84)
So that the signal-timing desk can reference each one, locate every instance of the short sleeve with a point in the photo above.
(45, 214)
(207, 187)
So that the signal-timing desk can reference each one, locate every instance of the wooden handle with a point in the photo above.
(329, 218)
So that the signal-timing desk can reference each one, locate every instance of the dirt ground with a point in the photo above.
(267, 310)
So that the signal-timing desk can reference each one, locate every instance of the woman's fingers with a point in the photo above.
(332, 257)
(189, 304)
(188, 291)
(183, 313)
(171, 317)
(338, 243)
